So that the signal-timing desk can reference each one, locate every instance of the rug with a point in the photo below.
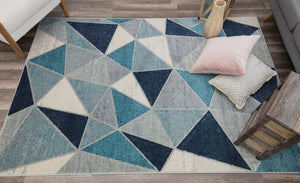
(115, 96)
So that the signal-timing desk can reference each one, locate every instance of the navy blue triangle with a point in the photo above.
(208, 139)
(154, 152)
(71, 125)
(99, 35)
(232, 28)
(152, 82)
(23, 96)
(266, 90)
(176, 29)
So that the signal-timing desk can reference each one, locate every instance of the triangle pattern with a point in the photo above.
(74, 38)
(120, 20)
(132, 26)
(178, 123)
(91, 32)
(155, 153)
(147, 30)
(145, 60)
(77, 57)
(186, 22)
(56, 29)
(176, 29)
(158, 23)
(199, 83)
(53, 60)
(41, 79)
(214, 144)
(152, 82)
(182, 46)
(123, 55)
(144, 126)
(62, 97)
(178, 94)
(159, 46)
(232, 28)
(129, 86)
(89, 93)
(115, 71)
(49, 20)
(78, 164)
(94, 131)
(126, 108)
(119, 39)
(43, 43)
(115, 146)
(105, 110)
(71, 125)
(23, 96)
(266, 90)
(36, 128)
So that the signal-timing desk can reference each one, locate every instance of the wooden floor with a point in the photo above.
(11, 66)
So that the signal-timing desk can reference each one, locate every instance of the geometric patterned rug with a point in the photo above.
(115, 95)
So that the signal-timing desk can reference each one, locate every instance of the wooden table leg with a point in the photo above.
(64, 8)
(268, 16)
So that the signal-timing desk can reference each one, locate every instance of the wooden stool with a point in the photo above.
(275, 125)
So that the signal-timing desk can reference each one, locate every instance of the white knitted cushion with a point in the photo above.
(239, 88)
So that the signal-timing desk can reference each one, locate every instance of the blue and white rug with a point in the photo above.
(115, 95)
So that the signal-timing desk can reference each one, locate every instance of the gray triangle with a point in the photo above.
(115, 71)
(93, 72)
(180, 46)
(56, 29)
(149, 127)
(90, 20)
(232, 124)
(220, 101)
(11, 126)
(77, 57)
(177, 94)
(105, 110)
(188, 61)
(83, 162)
(132, 26)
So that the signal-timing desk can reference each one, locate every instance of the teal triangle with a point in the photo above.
(115, 146)
(123, 55)
(198, 28)
(187, 22)
(126, 108)
(89, 93)
(36, 140)
(178, 123)
(73, 37)
(199, 83)
(53, 60)
(145, 60)
(147, 30)
(120, 20)
(42, 80)
(94, 130)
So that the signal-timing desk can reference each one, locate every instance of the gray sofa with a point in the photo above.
(287, 17)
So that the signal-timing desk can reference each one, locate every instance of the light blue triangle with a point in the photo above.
(178, 122)
(115, 146)
(187, 22)
(41, 80)
(126, 108)
(198, 28)
(94, 130)
(89, 93)
(145, 60)
(123, 55)
(36, 140)
(199, 83)
(120, 20)
(147, 30)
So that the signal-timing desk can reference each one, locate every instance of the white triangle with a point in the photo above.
(43, 43)
(158, 23)
(130, 87)
(159, 46)
(62, 97)
(182, 161)
(252, 21)
(120, 38)
(49, 166)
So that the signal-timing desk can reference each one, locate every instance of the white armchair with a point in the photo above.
(17, 17)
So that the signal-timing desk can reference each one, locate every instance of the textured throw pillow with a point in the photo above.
(225, 55)
(239, 88)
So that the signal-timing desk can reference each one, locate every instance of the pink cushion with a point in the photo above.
(225, 55)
